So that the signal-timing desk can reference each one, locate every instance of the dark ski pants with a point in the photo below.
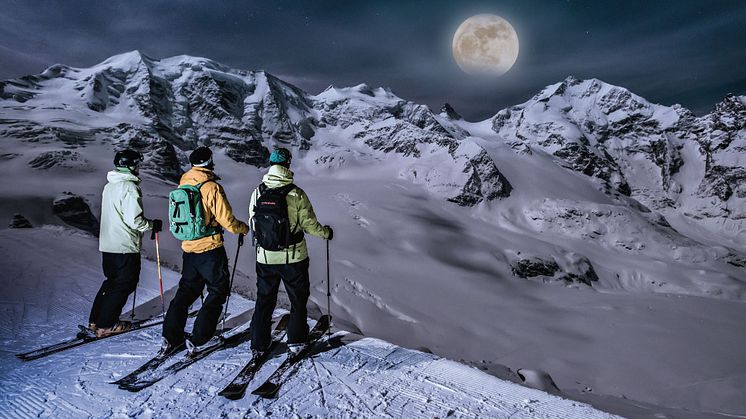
(198, 269)
(297, 285)
(122, 272)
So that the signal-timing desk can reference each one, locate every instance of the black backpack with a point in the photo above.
(272, 229)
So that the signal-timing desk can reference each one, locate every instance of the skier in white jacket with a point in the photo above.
(122, 226)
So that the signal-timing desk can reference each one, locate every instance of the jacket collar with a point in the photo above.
(121, 175)
(278, 176)
(197, 175)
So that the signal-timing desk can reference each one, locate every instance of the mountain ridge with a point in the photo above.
(165, 107)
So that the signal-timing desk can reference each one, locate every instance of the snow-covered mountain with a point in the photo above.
(585, 205)
(164, 107)
(665, 157)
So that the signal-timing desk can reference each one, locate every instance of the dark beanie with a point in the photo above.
(201, 157)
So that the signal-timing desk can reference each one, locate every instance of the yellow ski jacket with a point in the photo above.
(217, 210)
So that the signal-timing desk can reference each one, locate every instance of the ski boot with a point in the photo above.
(193, 350)
(87, 332)
(295, 348)
(119, 327)
(259, 352)
(167, 349)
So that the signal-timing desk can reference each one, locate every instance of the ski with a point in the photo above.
(84, 337)
(150, 377)
(151, 365)
(270, 387)
(236, 388)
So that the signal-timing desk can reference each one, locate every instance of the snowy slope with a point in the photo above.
(51, 275)
(688, 168)
(569, 234)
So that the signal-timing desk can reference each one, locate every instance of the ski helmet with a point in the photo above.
(127, 158)
(281, 156)
(202, 157)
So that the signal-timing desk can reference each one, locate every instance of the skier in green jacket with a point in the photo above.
(122, 226)
(280, 213)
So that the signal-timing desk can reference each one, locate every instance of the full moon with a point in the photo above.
(485, 44)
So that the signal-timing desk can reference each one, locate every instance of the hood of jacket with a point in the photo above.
(197, 175)
(121, 175)
(278, 176)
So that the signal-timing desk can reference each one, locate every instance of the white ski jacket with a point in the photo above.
(122, 219)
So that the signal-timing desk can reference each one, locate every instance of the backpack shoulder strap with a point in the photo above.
(201, 184)
(285, 190)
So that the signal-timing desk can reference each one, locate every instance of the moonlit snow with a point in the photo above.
(586, 235)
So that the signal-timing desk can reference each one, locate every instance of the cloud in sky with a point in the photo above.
(688, 52)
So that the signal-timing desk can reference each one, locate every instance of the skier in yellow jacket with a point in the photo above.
(280, 213)
(204, 260)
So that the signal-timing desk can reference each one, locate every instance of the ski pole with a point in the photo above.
(160, 278)
(328, 292)
(230, 287)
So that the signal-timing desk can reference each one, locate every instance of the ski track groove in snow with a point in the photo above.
(35, 397)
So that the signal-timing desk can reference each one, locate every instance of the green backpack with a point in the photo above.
(185, 215)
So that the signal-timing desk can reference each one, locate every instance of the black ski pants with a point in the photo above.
(297, 286)
(198, 270)
(122, 272)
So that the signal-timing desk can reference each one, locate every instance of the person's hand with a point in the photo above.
(331, 232)
(240, 239)
(157, 225)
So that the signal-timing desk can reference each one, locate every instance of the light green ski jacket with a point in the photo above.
(122, 219)
(300, 214)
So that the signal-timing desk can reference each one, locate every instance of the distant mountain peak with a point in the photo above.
(361, 91)
(448, 111)
(127, 60)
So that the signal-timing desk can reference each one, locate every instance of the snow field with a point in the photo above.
(52, 276)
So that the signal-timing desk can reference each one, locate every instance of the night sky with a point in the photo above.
(688, 52)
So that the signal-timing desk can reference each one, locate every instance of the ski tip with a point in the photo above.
(123, 381)
(231, 395)
(268, 390)
(131, 389)
(325, 321)
(27, 357)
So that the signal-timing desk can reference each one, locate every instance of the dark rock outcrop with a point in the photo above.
(74, 210)
(448, 111)
(67, 159)
(19, 221)
(533, 267)
(579, 271)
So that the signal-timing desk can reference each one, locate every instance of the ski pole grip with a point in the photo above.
(152, 234)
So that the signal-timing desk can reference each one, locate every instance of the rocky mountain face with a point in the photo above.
(166, 107)
(652, 163)
(456, 168)
(664, 157)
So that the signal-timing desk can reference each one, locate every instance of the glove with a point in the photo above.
(157, 226)
(240, 240)
(331, 232)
